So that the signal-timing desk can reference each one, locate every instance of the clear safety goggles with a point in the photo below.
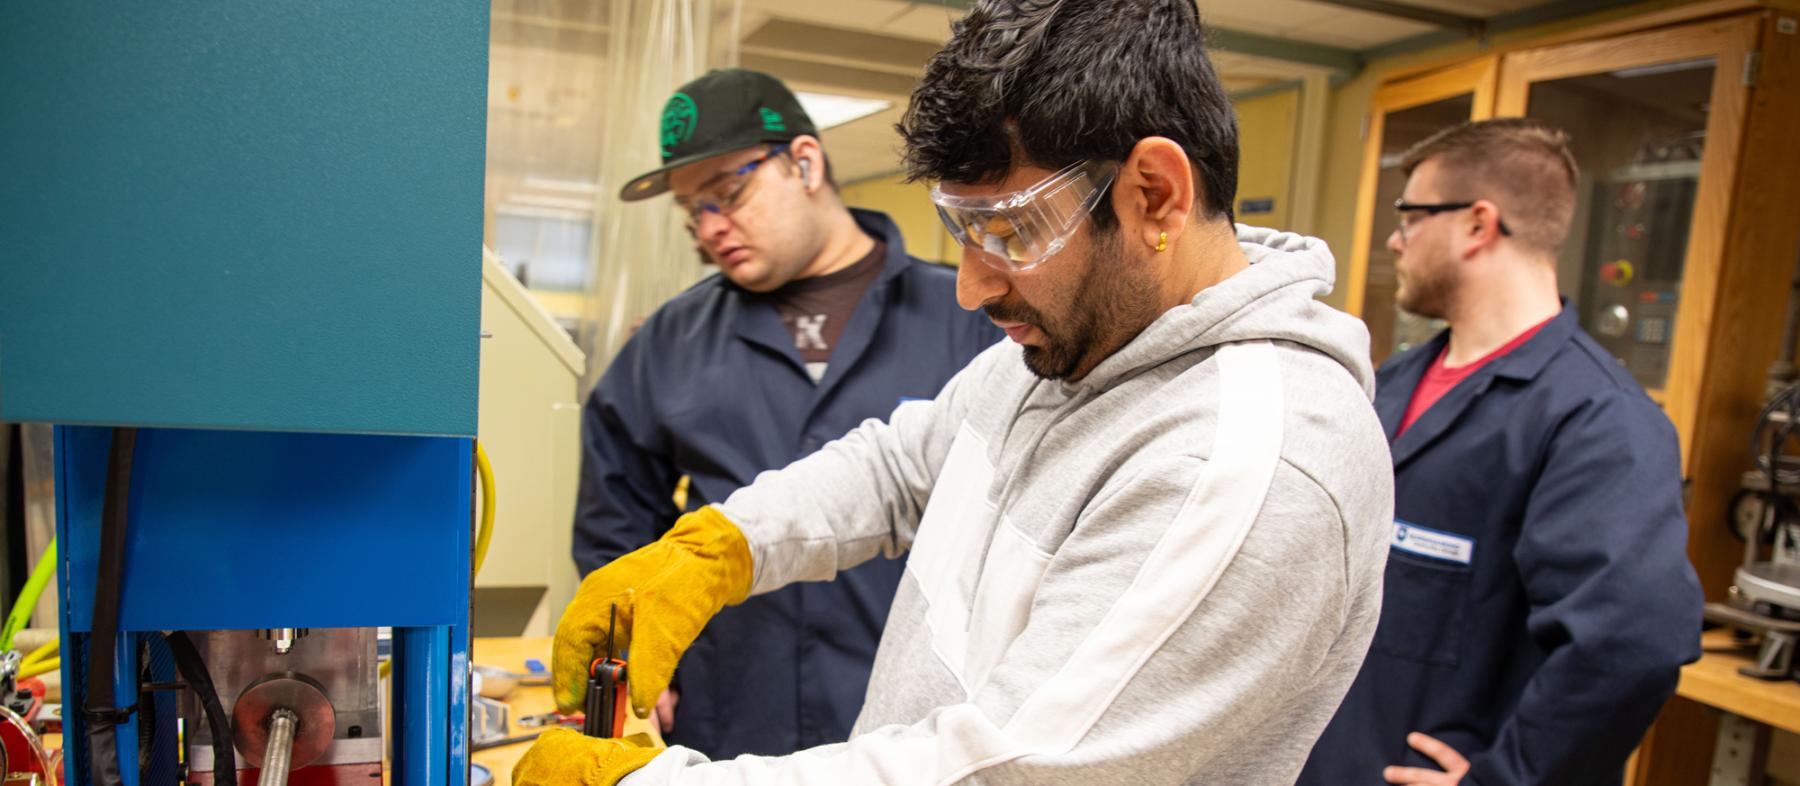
(1020, 229)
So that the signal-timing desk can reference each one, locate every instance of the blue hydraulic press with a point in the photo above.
(241, 271)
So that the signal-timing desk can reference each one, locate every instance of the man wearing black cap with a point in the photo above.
(817, 321)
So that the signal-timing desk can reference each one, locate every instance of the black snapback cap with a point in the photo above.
(721, 112)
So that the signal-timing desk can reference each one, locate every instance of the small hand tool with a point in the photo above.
(606, 692)
(551, 719)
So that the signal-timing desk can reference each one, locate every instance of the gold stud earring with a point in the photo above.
(1162, 242)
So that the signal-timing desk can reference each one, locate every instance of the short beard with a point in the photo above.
(1428, 295)
(1112, 302)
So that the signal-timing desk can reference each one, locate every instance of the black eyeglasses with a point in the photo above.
(1431, 209)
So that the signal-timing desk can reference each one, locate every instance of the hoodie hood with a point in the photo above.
(1273, 299)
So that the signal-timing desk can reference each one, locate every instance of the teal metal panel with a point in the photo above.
(242, 215)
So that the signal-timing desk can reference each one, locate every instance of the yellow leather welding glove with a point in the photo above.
(665, 593)
(566, 757)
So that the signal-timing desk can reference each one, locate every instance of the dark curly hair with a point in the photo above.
(1061, 81)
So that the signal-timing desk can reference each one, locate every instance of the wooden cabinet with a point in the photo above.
(1685, 240)
(1656, 121)
(1687, 229)
(1404, 113)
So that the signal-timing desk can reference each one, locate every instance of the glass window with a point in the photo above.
(1391, 329)
(544, 250)
(1638, 135)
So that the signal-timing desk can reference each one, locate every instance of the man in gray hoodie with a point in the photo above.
(1146, 534)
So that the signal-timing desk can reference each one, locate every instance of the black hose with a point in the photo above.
(101, 714)
(1791, 335)
(1788, 398)
(193, 671)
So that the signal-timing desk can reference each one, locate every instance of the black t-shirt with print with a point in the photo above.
(816, 309)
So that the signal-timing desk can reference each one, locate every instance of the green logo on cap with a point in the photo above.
(772, 120)
(678, 119)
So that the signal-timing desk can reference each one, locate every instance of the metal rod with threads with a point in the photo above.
(282, 724)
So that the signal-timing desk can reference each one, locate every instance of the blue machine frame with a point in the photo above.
(245, 530)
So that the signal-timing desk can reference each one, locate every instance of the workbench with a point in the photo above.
(1713, 680)
(1751, 706)
(511, 653)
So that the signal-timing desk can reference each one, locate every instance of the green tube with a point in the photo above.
(28, 597)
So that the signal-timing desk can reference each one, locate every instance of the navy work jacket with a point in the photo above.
(1539, 602)
(711, 387)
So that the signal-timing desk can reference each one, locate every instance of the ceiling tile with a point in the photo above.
(872, 49)
(925, 22)
(1262, 17)
(864, 148)
(1358, 29)
(871, 15)
(1481, 8)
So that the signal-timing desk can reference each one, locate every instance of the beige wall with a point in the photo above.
(910, 207)
(1266, 132)
(530, 411)
(1267, 126)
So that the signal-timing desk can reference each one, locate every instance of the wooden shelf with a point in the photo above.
(1714, 681)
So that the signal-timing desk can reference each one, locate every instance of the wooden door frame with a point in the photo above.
(1746, 245)
(1606, 24)
(1477, 76)
(1729, 42)
(1747, 327)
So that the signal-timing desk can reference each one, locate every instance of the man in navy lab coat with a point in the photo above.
(1539, 602)
(816, 321)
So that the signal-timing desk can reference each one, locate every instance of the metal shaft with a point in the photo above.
(282, 724)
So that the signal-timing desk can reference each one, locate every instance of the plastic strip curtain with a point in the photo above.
(575, 95)
(644, 256)
(37, 448)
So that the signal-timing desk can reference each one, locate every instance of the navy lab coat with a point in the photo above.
(1547, 636)
(711, 387)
